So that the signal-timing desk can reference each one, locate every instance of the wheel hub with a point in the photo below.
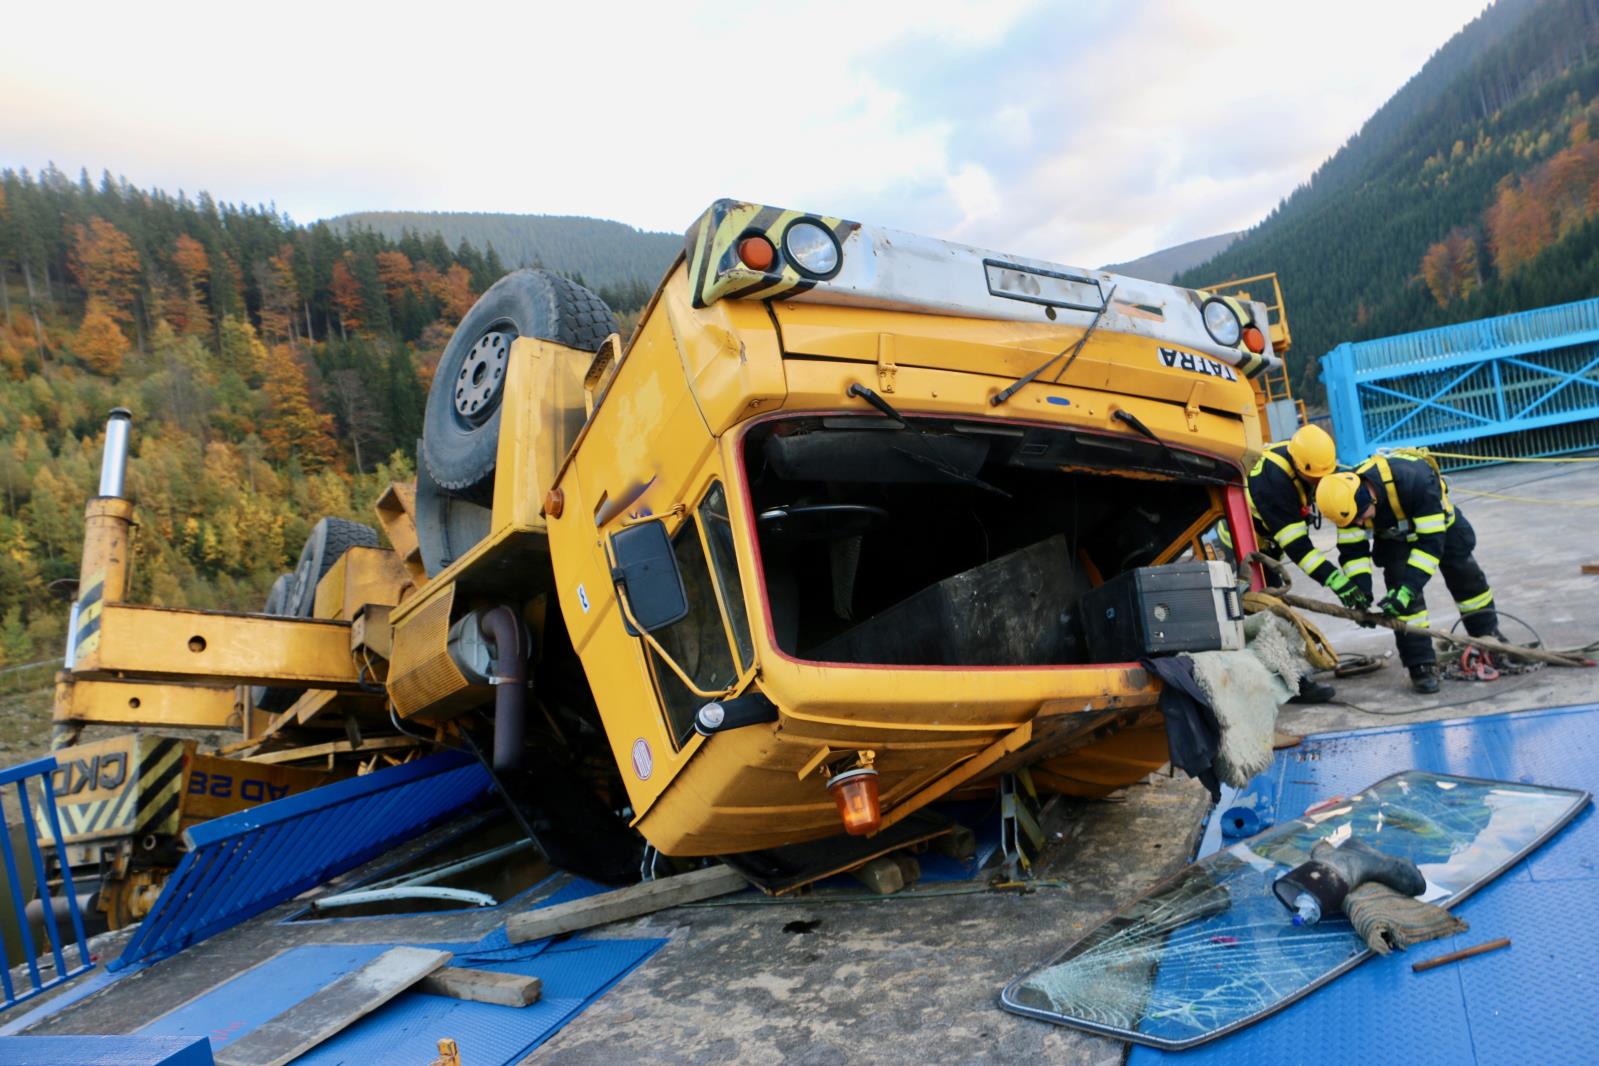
(482, 373)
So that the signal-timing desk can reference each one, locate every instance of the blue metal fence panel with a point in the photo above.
(38, 772)
(241, 864)
(1528, 381)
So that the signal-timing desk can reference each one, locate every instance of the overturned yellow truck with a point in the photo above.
(802, 557)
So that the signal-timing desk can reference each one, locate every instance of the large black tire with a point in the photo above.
(329, 540)
(275, 699)
(294, 595)
(461, 425)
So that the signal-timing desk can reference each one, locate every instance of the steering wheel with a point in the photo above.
(820, 521)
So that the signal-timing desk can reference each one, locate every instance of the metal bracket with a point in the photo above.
(1021, 838)
(653, 865)
(887, 369)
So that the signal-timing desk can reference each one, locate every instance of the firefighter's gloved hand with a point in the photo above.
(1349, 594)
(1396, 602)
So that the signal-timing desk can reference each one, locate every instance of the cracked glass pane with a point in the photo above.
(1212, 949)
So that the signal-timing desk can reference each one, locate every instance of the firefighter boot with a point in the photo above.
(1318, 888)
(1313, 691)
(1424, 677)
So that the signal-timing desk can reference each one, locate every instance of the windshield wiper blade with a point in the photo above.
(1138, 427)
(927, 459)
(1000, 397)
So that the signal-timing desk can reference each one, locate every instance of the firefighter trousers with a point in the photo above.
(1462, 576)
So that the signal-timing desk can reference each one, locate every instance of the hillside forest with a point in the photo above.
(276, 374)
(1473, 192)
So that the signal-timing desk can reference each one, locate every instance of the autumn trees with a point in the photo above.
(276, 374)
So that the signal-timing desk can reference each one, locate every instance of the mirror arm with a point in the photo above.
(666, 656)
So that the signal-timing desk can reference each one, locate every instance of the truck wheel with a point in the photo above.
(275, 699)
(329, 540)
(461, 424)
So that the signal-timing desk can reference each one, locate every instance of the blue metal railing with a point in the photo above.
(242, 864)
(38, 771)
(1528, 381)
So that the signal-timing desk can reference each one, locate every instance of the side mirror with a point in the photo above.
(646, 570)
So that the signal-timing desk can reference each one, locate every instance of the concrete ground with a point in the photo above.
(915, 977)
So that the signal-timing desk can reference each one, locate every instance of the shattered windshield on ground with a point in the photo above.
(1212, 949)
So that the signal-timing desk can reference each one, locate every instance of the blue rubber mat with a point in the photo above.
(262, 992)
(1532, 1002)
(575, 973)
(408, 1029)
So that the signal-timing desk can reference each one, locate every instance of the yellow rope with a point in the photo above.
(1317, 648)
(1456, 490)
(1514, 458)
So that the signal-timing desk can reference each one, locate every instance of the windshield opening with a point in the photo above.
(959, 543)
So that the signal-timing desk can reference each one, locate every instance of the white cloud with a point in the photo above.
(1084, 132)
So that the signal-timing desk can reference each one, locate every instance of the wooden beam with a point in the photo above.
(631, 902)
(324, 1014)
(333, 747)
(483, 986)
(1590, 568)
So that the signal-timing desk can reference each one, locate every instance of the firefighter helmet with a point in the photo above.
(1341, 497)
(1312, 452)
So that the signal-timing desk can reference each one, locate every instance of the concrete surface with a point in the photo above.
(915, 977)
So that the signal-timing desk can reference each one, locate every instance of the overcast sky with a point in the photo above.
(1082, 132)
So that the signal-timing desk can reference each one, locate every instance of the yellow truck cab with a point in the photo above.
(827, 519)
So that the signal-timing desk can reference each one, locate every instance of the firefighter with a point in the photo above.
(1281, 490)
(1394, 510)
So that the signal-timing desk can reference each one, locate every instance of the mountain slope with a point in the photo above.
(606, 254)
(1495, 109)
(1167, 263)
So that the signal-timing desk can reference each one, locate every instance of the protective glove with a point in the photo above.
(1396, 602)
(1349, 594)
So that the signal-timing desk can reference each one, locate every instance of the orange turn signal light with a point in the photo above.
(855, 792)
(1254, 340)
(757, 253)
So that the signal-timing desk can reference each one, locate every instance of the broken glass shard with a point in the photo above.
(1212, 949)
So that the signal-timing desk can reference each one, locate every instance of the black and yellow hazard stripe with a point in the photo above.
(146, 803)
(89, 604)
(160, 790)
(717, 273)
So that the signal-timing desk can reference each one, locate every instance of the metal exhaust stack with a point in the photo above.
(103, 574)
(114, 463)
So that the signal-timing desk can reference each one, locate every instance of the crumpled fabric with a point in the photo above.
(1193, 735)
(1221, 707)
(1386, 920)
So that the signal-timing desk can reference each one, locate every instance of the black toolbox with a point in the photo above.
(1160, 610)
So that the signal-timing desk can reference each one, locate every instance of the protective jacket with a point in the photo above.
(1414, 533)
(1412, 506)
(1281, 503)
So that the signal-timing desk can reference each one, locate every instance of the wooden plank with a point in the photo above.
(313, 1020)
(1590, 568)
(483, 986)
(333, 747)
(631, 902)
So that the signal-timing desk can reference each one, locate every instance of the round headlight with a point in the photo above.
(811, 248)
(1222, 323)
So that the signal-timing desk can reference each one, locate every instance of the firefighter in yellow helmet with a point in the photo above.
(1394, 511)
(1281, 490)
